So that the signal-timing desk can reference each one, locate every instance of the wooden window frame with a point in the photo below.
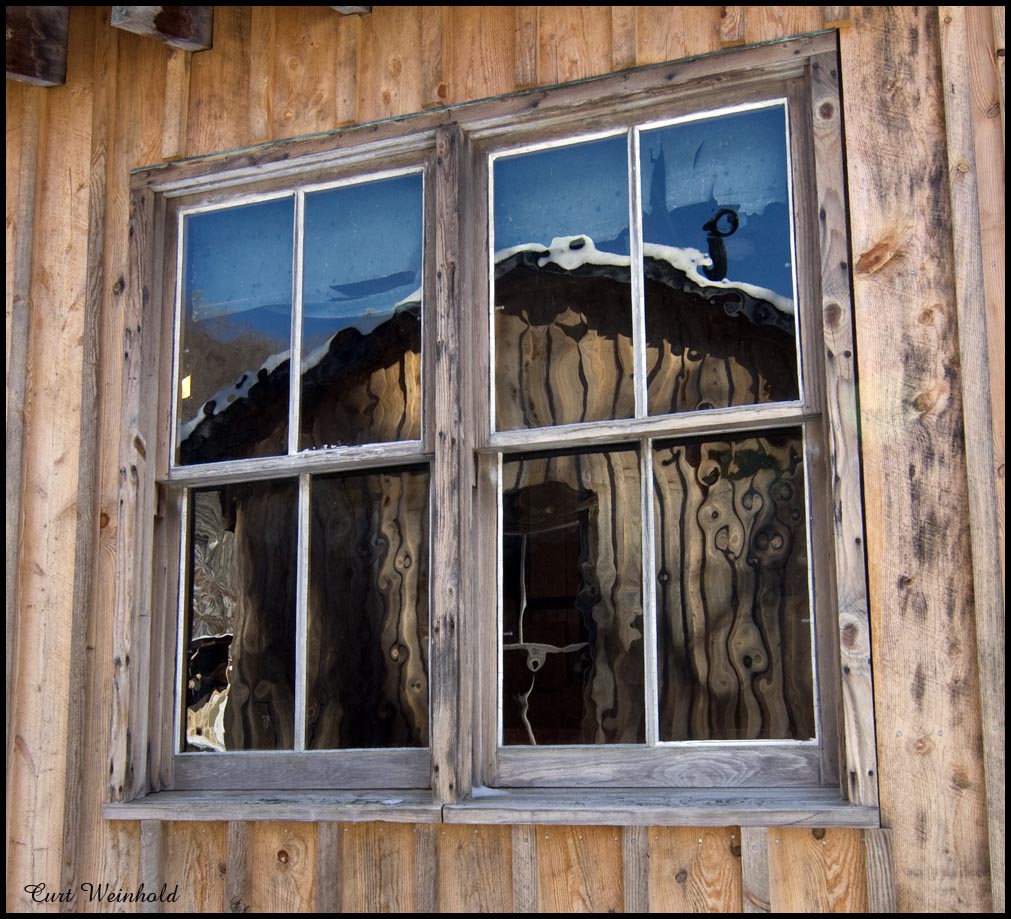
(463, 451)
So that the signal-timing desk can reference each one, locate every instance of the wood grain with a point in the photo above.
(767, 23)
(527, 46)
(282, 859)
(195, 859)
(983, 456)
(389, 72)
(481, 51)
(624, 37)
(189, 28)
(470, 852)
(573, 42)
(377, 868)
(694, 870)
(926, 690)
(880, 876)
(328, 867)
(756, 896)
(817, 871)
(579, 869)
(635, 868)
(524, 868)
(37, 44)
(732, 26)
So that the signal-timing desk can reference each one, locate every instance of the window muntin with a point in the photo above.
(304, 598)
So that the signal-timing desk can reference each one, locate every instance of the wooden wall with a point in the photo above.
(280, 72)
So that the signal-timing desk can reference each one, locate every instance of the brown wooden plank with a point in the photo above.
(817, 871)
(982, 454)
(348, 36)
(328, 867)
(377, 868)
(389, 70)
(282, 858)
(483, 44)
(880, 877)
(732, 26)
(624, 38)
(756, 895)
(527, 46)
(574, 42)
(835, 17)
(195, 860)
(694, 870)
(635, 865)
(219, 105)
(435, 55)
(766, 23)
(189, 28)
(524, 868)
(579, 869)
(152, 862)
(426, 867)
(50, 440)
(999, 53)
(467, 853)
(262, 63)
(926, 691)
(238, 877)
(37, 44)
(177, 100)
(669, 33)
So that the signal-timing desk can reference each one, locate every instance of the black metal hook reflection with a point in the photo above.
(717, 248)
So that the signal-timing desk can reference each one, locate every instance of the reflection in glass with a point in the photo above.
(240, 652)
(563, 308)
(361, 314)
(235, 333)
(733, 612)
(572, 650)
(367, 649)
(718, 263)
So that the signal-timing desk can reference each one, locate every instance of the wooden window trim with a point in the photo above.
(462, 448)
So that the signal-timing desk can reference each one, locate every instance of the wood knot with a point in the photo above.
(849, 634)
(818, 833)
(681, 876)
(119, 286)
(283, 857)
(962, 167)
(833, 313)
(926, 317)
(827, 110)
(879, 255)
(960, 779)
(103, 520)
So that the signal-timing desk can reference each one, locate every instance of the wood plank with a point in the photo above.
(574, 42)
(482, 47)
(177, 101)
(348, 36)
(835, 17)
(238, 877)
(262, 41)
(767, 23)
(854, 641)
(999, 53)
(624, 37)
(352, 10)
(926, 685)
(756, 895)
(219, 108)
(693, 870)
(189, 28)
(328, 867)
(579, 869)
(195, 859)
(37, 44)
(152, 862)
(524, 868)
(436, 52)
(878, 865)
(426, 868)
(817, 871)
(984, 510)
(527, 46)
(49, 437)
(635, 868)
(469, 853)
(732, 26)
(377, 868)
(389, 69)
(282, 859)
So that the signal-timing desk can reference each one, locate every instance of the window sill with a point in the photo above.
(816, 807)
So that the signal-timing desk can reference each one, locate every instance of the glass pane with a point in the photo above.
(563, 304)
(235, 333)
(367, 663)
(733, 613)
(718, 263)
(240, 654)
(361, 328)
(572, 651)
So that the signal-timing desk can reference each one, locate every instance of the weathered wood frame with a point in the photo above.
(460, 445)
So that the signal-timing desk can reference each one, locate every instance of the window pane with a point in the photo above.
(572, 659)
(240, 655)
(367, 656)
(235, 333)
(734, 617)
(718, 263)
(563, 305)
(361, 328)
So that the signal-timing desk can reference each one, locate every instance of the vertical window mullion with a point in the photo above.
(295, 354)
(301, 609)
(636, 275)
(181, 603)
(649, 627)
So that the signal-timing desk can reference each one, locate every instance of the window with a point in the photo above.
(565, 491)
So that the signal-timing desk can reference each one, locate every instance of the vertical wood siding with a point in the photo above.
(278, 73)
